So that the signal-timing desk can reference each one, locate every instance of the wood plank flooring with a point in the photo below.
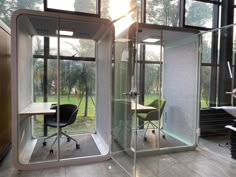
(198, 163)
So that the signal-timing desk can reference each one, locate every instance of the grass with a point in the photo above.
(82, 124)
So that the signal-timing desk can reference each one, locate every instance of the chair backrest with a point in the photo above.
(67, 112)
(156, 114)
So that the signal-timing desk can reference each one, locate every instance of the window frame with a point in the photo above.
(98, 10)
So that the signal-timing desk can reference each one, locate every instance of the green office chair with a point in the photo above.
(152, 116)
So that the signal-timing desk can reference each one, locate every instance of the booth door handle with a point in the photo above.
(131, 94)
(233, 93)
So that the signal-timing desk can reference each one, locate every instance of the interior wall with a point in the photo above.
(104, 88)
(25, 82)
(180, 88)
(5, 89)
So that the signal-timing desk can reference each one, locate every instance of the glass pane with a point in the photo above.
(77, 47)
(163, 12)
(113, 9)
(152, 76)
(234, 16)
(89, 6)
(199, 14)
(207, 47)
(205, 86)
(152, 52)
(35, 72)
(78, 88)
(123, 146)
(180, 90)
(78, 92)
(8, 7)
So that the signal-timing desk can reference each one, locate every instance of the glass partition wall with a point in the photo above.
(58, 64)
(163, 117)
(218, 90)
(124, 96)
(168, 78)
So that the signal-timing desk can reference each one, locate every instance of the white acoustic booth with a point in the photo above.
(118, 133)
(46, 26)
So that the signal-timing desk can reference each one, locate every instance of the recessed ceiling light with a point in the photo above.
(151, 40)
(65, 33)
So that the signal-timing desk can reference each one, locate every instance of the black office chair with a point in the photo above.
(67, 113)
(153, 116)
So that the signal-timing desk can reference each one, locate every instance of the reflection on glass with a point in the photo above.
(199, 14)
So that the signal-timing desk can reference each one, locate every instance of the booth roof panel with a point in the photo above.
(167, 34)
(48, 23)
(49, 26)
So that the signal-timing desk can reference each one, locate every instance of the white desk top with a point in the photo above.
(231, 127)
(142, 108)
(229, 109)
(37, 109)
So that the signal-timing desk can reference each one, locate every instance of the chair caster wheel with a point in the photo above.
(77, 146)
(164, 136)
(153, 131)
(51, 151)
(68, 139)
(44, 143)
(145, 138)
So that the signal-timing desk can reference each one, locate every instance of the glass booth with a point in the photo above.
(155, 101)
(61, 75)
(133, 89)
(169, 81)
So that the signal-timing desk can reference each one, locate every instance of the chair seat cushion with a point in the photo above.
(142, 115)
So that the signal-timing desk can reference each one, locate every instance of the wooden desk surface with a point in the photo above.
(37, 109)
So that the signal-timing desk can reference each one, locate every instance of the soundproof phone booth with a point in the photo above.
(155, 93)
(61, 76)
(85, 89)
(169, 59)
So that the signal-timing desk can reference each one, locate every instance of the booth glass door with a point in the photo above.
(124, 99)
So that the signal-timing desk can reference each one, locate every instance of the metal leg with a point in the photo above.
(54, 142)
(54, 134)
(142, 125)
(69, 137)
(146, 129)
(159, 129)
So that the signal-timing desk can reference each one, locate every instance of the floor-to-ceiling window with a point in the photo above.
(78, 70)
(204, 15)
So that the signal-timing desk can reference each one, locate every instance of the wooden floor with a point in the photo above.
(198, 163)
(219, 145)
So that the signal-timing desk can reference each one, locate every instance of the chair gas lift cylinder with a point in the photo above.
(43, 61)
